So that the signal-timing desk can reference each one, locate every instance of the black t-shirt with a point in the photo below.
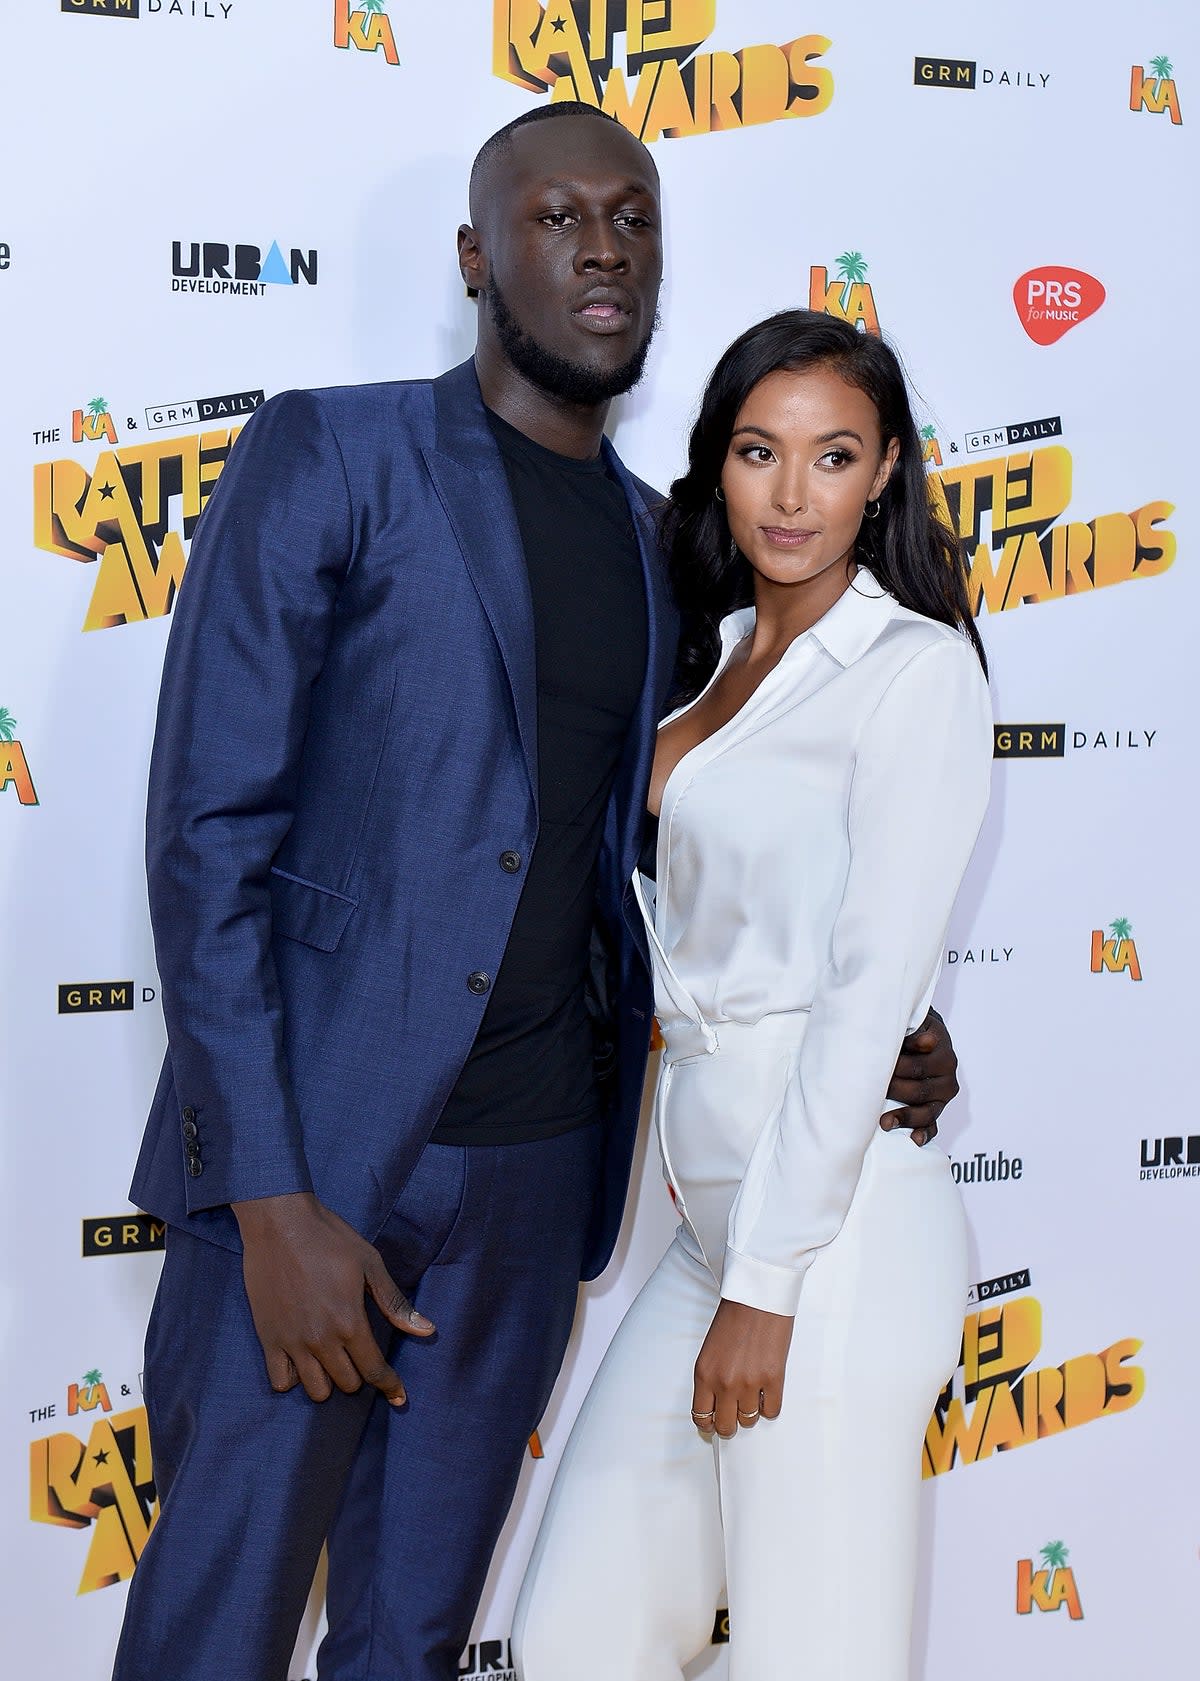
(530, 1073)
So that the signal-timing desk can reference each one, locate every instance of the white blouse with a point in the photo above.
(809, 854)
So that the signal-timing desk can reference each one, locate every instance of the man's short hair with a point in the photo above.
(497, 144)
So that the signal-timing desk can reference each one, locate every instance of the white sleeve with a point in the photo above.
(918, 793)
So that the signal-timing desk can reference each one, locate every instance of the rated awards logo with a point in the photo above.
(1008, 510)
(104, 1484)
(665, 88)
(132, 513)
(995, 1403)
(1050, 301)
(1118, 954)
(366, 28)
(1051, 1587)
(848, 297)
(1156, 92)
(14, 767)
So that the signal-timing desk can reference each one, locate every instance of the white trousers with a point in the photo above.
(806, 1525)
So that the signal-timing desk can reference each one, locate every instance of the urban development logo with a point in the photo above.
(1052, 300)
(1007, 508)
(487, 1660)
(120, 514)
(14, 767)
(1171, 1158)
(207, 267)
(1118, 954)
(665, 88)
(367, 28)
(1051, 1587)
(1155, 93)
(849, 297)
(994, 1403)
(105, 1484)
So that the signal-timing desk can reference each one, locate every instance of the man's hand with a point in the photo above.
(739, 1374)
(926, 1079)
(307, 1276)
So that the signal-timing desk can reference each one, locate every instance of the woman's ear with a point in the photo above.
(890, 456)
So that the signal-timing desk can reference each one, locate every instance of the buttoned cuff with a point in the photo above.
(762, 1284)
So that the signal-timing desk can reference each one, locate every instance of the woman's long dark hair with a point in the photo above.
(908, 546)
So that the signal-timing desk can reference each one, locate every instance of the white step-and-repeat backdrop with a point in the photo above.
(208, 201)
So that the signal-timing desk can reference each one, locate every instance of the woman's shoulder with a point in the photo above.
(910, 636)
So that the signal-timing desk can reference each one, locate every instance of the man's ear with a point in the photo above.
(472, 264)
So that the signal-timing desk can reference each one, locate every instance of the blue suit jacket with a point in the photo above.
(346, 743)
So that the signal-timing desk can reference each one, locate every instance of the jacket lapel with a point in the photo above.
(469, 477)
(662, 627)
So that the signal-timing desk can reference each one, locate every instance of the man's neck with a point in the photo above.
(567, 428)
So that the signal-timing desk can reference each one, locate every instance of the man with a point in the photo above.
(404, 740)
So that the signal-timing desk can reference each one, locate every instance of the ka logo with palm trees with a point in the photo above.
(366, 28)
(1118, 953)
(931, 449)
(1051, 1587)
(88, 1394)
(1156, 92)
(14, 770)
(93, 423)
(665, 88)
(849, 297)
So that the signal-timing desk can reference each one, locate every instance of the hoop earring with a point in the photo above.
(867, 514)
(719, 494)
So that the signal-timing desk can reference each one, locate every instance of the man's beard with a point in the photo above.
(571, 382)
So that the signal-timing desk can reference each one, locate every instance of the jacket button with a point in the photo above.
(195, 1166)
(190, 1129)
(478, 982)
(510, 862)
(189, 1114)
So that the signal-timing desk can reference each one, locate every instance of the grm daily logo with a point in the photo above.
(965, 74)
(203, 411)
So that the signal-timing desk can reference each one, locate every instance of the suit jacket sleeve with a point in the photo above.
(917, 798)
(251, 627)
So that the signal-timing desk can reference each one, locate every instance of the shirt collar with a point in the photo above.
(846, 631)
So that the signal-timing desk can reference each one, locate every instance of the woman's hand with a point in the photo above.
(739, 1375)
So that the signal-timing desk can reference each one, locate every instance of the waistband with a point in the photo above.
(683, 1038)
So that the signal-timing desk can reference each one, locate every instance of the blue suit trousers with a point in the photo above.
(488, 1242)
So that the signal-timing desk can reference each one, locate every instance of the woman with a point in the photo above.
(756, 1426)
